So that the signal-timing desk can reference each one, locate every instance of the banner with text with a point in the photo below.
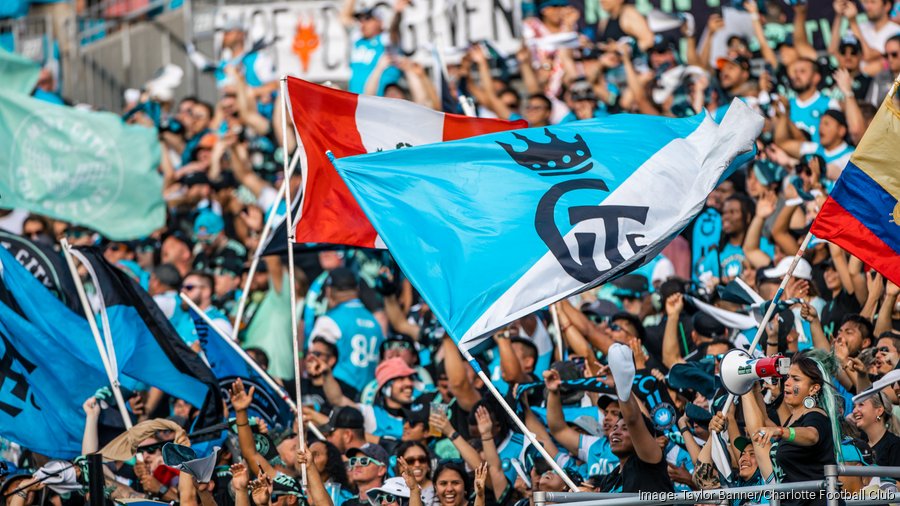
(306, 39)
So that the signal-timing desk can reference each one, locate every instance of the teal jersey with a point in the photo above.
(510, 449)
(806, 114)
(379, 422)
(357, 336)
(597, 455)
(364, 58)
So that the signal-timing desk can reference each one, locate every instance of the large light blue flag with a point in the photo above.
(492, 228)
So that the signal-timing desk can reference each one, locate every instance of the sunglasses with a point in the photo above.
(720, 356)
(151, 448)
(384, 497)
(883, 349)
(614, 327)
(77, 233)
(362, 462)
(417, 460)
(399, 345)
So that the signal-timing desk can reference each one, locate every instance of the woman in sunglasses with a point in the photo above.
(873, 417)
(418, 461)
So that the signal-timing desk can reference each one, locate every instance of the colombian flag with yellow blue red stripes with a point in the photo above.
(862, 214)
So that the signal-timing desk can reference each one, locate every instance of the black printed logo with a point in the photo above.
(566, 158)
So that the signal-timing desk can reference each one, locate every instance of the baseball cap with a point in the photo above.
(740, 61)
(768, 172)
(707, 326)
(342, 279)
(849, 40)
(589, 425)
(417, 413)
(194, 178)
(208, 222)
(208, 141)
(227, 264)
(631, 286)
(856, 450)
(600, 309)
(368, 12)
(345, 417)
(741, 442)
(395, 486)
(392, 369)
(802, 271)
(553, 3)
(582, 90)
(371, 450)
(837, 116)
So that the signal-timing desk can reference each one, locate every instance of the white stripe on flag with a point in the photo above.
(673, 183)
(385, 124)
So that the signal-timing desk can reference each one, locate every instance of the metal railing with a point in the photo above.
(829, 487)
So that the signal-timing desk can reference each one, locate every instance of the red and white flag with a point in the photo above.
(348, 124)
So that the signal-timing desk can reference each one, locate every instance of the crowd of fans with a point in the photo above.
(399, 416)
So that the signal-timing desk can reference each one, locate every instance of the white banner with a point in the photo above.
(310, 42)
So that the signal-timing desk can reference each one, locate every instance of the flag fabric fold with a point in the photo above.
(862, 214)
(492, 228)
(20, 74)
(83, 167)
(229, 364)
(348, 124)
(147, 347)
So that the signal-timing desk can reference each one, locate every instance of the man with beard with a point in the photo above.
(809, 104)
(385, 417)
(198, 286)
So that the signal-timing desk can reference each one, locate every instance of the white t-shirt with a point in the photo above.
(877, 39)
(14, 221)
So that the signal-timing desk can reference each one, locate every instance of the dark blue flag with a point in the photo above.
(229, 364)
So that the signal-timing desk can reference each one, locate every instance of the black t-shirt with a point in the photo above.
(806, 463)
(887, 450)
(635, 475)
(835, 310)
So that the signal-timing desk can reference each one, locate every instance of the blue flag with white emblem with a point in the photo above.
(494, 227)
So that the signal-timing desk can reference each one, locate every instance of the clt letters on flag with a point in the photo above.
(862, 215)
(148, 348)
(492, 228)
(228, 365)
(348, 124)
(84, 167)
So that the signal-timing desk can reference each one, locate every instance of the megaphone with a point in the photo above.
(738, 370)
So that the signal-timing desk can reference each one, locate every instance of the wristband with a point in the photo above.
(487, 439)
(770, 343)
(791, 434)
(454, 435)
(684, 429)
(162, 490)
(23, 494)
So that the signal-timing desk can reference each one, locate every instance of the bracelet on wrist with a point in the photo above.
(242, 424)
(454, 435)
(791, 434)
(485, 439)
(684, 429)
(23, 494)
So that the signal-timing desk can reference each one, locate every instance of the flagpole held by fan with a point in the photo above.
(291, 281)
(254, 263)
(519, 423)
(105, 351)
(771, 309)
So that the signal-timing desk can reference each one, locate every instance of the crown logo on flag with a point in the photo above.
(554, 158)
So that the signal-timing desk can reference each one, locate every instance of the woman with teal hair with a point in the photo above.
(809, 436)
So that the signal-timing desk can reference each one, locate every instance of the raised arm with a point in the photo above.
(240, 401)
(315, 487)
(489, 447)
(466, 394)
(330, 386)
(754, 418)
(90, 442)
(767, 53)
(670, 352)
(885, 321)
(565, 435)
(765, 207)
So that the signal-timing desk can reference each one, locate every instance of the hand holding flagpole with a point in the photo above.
(291, 280)
(111, 374)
